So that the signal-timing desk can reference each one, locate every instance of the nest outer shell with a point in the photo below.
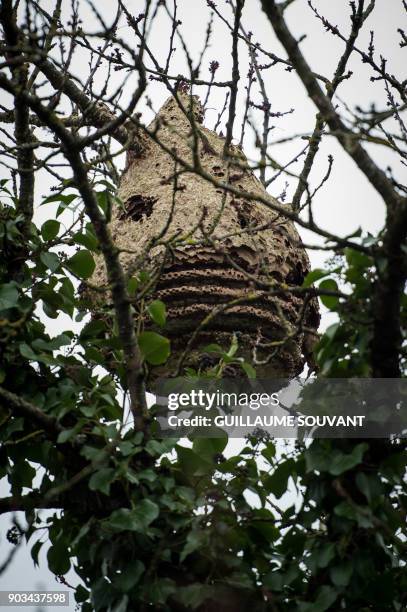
(196, 278)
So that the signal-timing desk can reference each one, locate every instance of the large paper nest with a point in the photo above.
(208, 250)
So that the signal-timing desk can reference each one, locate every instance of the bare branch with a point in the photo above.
(345, 136)
(235, 76)
(110, 252)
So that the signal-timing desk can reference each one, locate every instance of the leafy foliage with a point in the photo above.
(152, 522)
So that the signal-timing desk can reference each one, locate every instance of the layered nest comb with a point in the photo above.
(211, 252)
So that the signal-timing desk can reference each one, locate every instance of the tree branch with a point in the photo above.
(344, 135)
(22, 131)
(235, 76)
(116, 277)
(26, 502)
(388, 291)
(25, 408)
(315, 139)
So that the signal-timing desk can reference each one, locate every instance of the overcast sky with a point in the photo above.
(344, 204)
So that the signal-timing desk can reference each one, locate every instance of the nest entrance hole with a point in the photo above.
(137, 207)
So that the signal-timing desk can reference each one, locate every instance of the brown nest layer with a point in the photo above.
(222, 263)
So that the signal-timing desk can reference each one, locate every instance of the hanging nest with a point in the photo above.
(219, 262)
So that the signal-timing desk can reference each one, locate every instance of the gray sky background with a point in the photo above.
(346, 202)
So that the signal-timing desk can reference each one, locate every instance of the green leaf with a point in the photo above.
(132, 286)
(157, 312)
(82, 264)
(269, 452)
(67, 295)
(370, 485)
(314, 276)
(331, 331)
(233, 347)
(195, 540)
(35, 550)
(121, 606)
(346, 510)
(138, 519)
(193, 464)
(330, 301)
(50, 229)
(149, 475)
(212, 348)
(53, 344)
(8, 296)
(122, 520)
(101, 480)
(193, 595)
(58, 558)
(326, 597)
(357, 259)
(209, 447)
(159, 447)
(104, 201)
(60, 197)
(323, 458)
(94, 355)
(187, 494)
(325, 554)
(160, 590)
(23, 474)
(277, 482)
(27, 352)
(102, 595)
(341, 574)
(248, 369)
(263, 522)
(154, 347)
(342, 463)
(92, 329)
(274, 581)
(129, 576)
(66, 435)
(127, 448)
(91, 453)
(146, 512)
(81, 594)
(87, 240)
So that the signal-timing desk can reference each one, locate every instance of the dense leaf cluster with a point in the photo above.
(151, 524)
